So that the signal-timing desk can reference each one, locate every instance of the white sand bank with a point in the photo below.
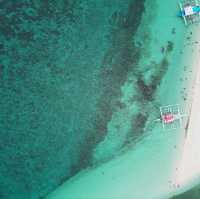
(188, 168)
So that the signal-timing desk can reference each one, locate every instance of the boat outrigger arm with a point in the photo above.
(189, 10)
(181, 13)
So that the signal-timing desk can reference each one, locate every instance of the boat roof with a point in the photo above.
(188, 10)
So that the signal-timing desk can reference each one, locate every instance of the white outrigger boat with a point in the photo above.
(171, 116)
(189, 11)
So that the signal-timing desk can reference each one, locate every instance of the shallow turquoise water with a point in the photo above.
(77, 82)
(142, 151)
(62, 65)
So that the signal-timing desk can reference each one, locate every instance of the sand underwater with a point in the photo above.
(80, 83)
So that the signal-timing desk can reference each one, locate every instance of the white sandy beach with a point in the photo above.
(188, 168)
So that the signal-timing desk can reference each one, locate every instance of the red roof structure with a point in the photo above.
(168, 118)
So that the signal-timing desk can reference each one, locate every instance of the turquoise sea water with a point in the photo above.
(78, 80)
(62, 65)
(141, 150)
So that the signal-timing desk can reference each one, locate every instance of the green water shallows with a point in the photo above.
(78, 81)
(62, 66)
(51, 55)
(144, 171)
